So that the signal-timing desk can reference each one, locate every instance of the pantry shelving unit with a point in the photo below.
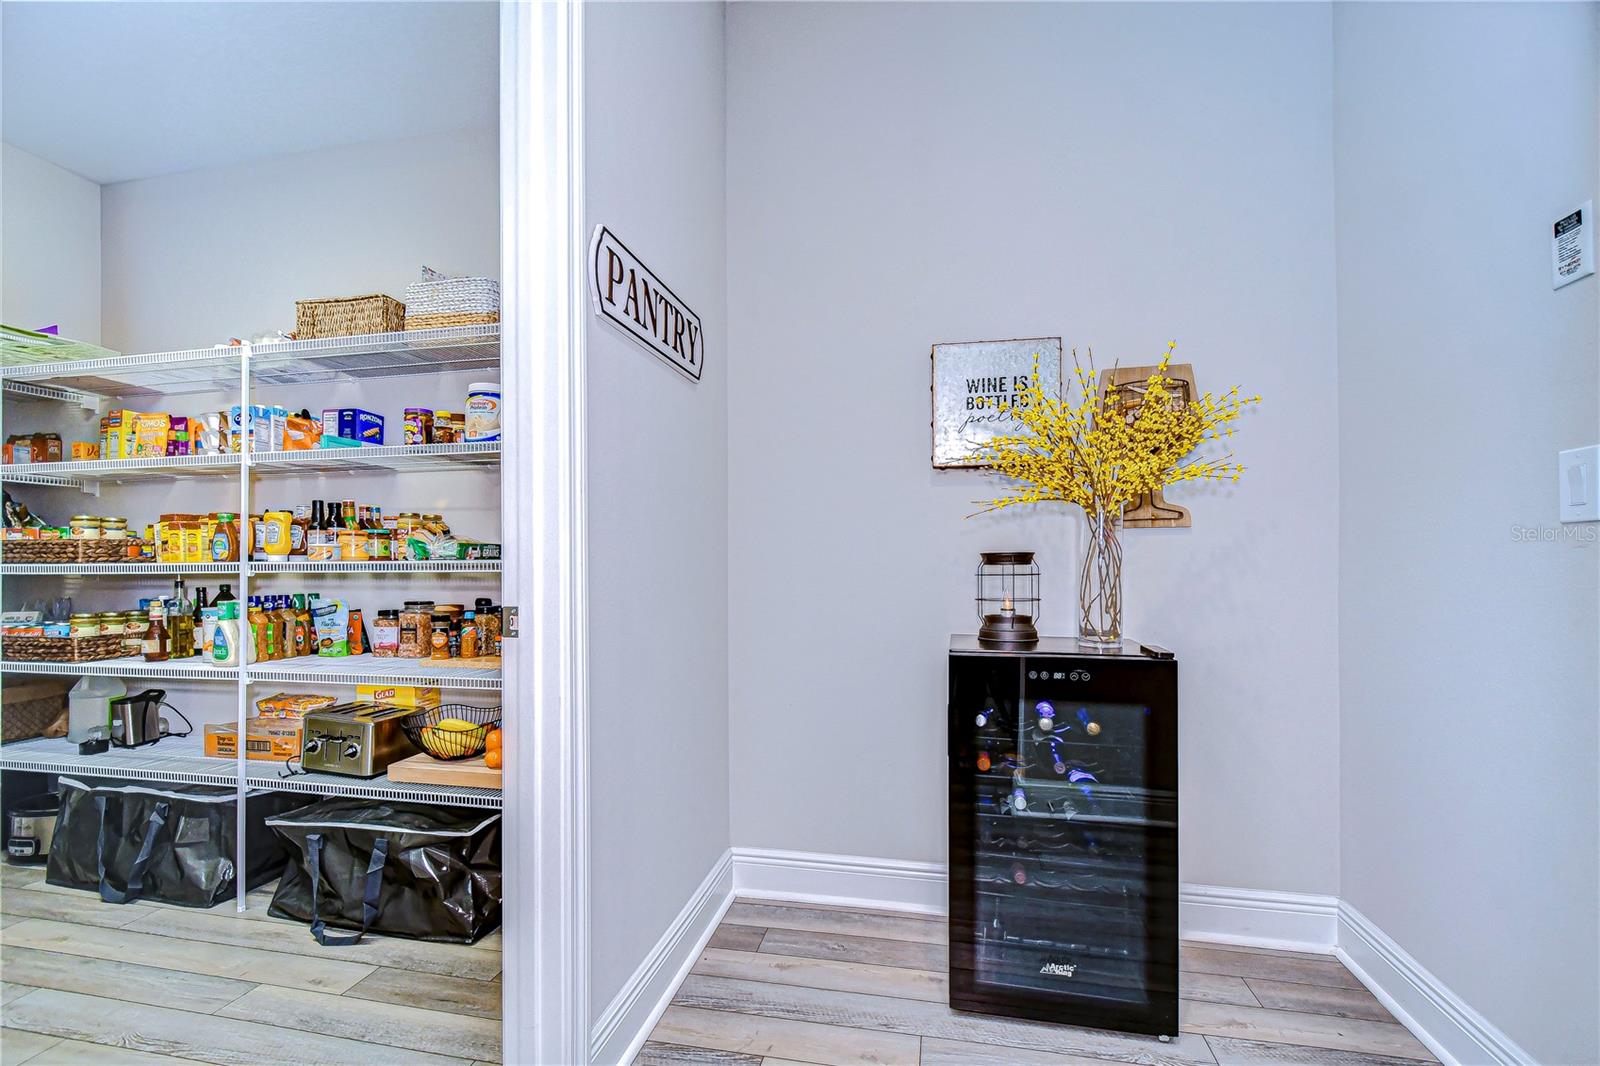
(234, 372)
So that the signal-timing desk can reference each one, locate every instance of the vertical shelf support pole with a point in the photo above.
(241, 859)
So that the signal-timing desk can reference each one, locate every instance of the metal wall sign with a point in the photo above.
(629, 296)
(995, 371)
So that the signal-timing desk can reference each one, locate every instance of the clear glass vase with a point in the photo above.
(1100, 583)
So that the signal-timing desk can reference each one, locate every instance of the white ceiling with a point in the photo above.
(117, 91)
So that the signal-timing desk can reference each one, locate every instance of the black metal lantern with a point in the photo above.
(1008, 600)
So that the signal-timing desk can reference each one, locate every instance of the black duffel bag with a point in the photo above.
(168, 843)
(393, 868)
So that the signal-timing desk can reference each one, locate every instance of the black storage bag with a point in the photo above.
(393, 868)
(168, 843)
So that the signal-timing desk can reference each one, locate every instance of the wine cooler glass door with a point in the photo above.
(1064, 841)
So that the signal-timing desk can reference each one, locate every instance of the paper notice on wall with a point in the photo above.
(1572, 246)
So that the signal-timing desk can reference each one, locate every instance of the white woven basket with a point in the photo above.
(439, 295)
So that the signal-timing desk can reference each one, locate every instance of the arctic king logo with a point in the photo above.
(1059, 969)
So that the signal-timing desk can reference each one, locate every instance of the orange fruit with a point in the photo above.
(493, 740)
(491, 758)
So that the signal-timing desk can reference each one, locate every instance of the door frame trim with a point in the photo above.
(543, 375)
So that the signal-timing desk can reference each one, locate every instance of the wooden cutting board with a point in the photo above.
(424, 769)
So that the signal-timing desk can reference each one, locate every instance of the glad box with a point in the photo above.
(418, 699)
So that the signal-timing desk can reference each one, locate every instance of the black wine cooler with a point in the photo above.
(1064, 834)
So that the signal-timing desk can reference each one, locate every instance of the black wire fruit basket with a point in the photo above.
(448, 744)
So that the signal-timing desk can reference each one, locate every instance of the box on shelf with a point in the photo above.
(273, 739)
(415, 697)
(286, 705)
(22, 448)
(82, 449)
(352, 423)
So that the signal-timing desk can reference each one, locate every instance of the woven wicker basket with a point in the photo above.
(68, 550)
(33, 707)
(416, 322)
(61, 649)
(348, 316)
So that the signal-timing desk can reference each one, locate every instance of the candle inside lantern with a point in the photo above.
(1005, 606)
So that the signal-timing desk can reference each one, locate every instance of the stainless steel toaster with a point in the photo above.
(354, 739)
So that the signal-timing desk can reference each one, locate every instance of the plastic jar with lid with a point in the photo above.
(84, 527)
(114, 529)
(84, 624)
(386, 634)
(416, 627)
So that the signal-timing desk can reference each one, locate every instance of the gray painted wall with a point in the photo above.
(658, 487)
(1469, 658)
(1115, 174)
(192, 259)
(49, 246)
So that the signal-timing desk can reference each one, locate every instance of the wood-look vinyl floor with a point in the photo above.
(84, 982)
(794, 983)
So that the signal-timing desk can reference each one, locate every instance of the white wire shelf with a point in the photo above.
(307, 669)
(386, 457)
(430, 566)
(374, 670)
(182, 760)
(178, 759)
(195, 669)
(171, 373)
(423, 351)
(263, 774)
(129, 569)
(84, 471)
(77, 473)
(309, 362)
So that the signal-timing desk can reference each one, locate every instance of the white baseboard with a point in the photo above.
(1205, 912)
(840, 880)
(1253, 917)
(1439, 1018)
(634, 1011)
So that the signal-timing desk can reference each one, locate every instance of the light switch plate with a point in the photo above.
(1579, 471)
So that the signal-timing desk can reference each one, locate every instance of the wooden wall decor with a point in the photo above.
(1125, 385)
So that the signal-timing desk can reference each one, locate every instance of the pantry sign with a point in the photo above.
(633, 299)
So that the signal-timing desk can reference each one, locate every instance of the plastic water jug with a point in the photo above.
(89, 705)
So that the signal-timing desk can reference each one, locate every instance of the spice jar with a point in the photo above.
(469, 636)
(380, 545)
(386, 634)
(113, 529)
(84, 625)
(133, 626)
(439, 641)
(85, 527)
(416, 628)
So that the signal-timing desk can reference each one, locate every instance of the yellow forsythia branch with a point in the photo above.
(1093, 455)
